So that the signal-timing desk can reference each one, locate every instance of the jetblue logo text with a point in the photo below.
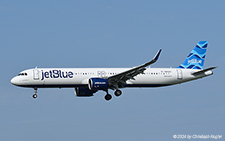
(195, 61)
(56, 74)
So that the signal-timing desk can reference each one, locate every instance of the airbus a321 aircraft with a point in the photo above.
(88, 81)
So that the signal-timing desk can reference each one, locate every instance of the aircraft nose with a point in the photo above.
(14, 81)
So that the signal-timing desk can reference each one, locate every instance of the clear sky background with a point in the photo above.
(115, 33)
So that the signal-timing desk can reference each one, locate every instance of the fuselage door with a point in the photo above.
(179, 74)
(36, 74)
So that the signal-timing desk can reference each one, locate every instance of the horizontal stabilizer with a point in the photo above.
(203, 71)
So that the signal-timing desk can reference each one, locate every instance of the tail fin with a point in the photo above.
(195, 60)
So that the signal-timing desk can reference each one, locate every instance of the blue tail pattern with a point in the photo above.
(195, 60)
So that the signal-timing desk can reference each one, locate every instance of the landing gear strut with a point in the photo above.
(35, 93)
(108, 96)
(118, 92)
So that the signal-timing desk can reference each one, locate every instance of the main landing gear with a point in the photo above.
(108, 96)
(35, 93)
(118, 92)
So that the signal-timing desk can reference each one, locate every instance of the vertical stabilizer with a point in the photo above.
(195, 60)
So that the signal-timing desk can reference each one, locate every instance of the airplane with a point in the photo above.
(87, 81)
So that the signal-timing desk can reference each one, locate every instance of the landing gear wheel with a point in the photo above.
(118, 92)
(35, 96)
(108, 97)
(35, 93)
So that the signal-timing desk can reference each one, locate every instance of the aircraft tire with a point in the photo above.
(118, 92)
(108, 97)
(35, 96)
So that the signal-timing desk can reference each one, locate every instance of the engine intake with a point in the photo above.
(95, 84)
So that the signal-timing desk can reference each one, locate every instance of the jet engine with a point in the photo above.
(83, 92)
(95, 84)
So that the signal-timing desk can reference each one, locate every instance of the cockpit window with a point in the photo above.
(22, 74)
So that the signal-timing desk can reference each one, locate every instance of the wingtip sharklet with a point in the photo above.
(157, 55)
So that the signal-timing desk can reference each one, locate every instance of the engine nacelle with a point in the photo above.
(83, 92)
(95, 84)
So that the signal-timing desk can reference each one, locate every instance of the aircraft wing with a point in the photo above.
(120, 79)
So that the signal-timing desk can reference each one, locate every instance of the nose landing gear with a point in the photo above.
(35, 93)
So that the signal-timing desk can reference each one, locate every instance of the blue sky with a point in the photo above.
(110, 34)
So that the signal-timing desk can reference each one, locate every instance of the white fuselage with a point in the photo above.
(88, 81)
(78, 77)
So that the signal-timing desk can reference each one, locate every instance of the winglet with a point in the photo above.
(157, 55)
(153, 60)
